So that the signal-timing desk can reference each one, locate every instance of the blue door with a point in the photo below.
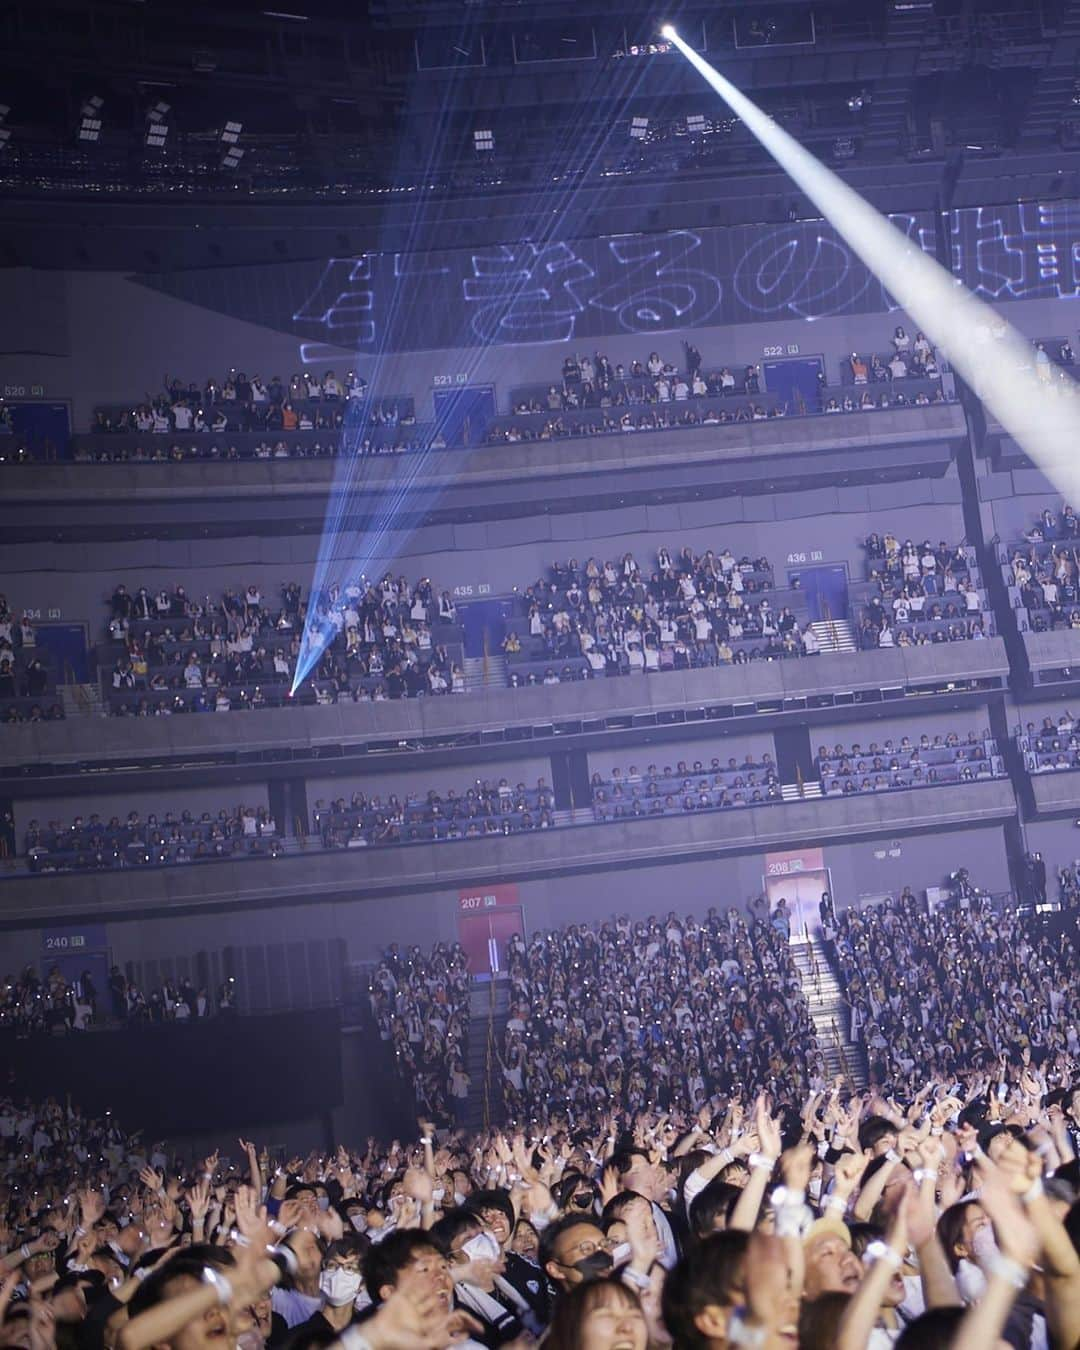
(462, 415)
(65, 644)
(795, 382)
(825, 588)
(484, 622)
(41, 426)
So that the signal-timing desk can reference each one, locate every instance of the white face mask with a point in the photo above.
(620, 1254)
(482, 1247)
(459, 1198)
(984, 1245)
(358, 1222)
(339, 1286)
(323, 1201)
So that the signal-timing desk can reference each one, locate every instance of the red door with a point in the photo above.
(486, 936)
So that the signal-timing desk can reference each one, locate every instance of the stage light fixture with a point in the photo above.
(231, 132)
(483, 141)
(982, 347)
(639, 128)
(90, 125)
(157, 129)
(695, 124)
(233, 157)
(844, 148)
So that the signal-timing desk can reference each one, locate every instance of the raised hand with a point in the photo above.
(91, 1207)
(153, 1181)
(849, 1170)
(198, 1199)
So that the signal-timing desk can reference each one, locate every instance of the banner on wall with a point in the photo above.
(495, 896)
(792, 862)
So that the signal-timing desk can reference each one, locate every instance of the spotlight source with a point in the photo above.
(999, 371)
(668, 32)
(639, 128)
(484, 141)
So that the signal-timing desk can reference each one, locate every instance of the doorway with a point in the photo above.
(802, 891)
(486, 938)
(65, 644)
(43, 427)
(796, 382)
(825, 588)
(484, 626)
(463, 414)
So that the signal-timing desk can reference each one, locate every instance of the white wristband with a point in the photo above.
(1033, 1191)
(219, 1283)
(24, 1251)
(922, 1174)
(738, 1333)
(881, 1251)
(837, 1203)
(759, 1162)
(1005, 1268)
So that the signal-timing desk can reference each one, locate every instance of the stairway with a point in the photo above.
(829, 1012)
(485, 672)
(800, 792)
(81, 700)
(480, 1017)
(835, 635)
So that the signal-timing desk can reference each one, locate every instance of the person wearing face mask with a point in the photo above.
(341, 1286)
(480, 1289)
(574, 1249)
(496, 1215)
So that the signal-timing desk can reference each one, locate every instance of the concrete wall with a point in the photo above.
(887, 726)
(460, 777)
(77, 579)
(870, 867)
(106, 338)
(742, 688)
(666, 754)
(108, 804)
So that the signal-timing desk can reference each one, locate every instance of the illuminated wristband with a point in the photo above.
(285, 1260)
(881, 1251)
(837, 1203)
(759, 1162)
(276, 1227)
(221, 1286)
(1033, 1191)
(740, 1333)
(922, 1174)
(426, 1139)
(25, 1252)
(1005, 1268)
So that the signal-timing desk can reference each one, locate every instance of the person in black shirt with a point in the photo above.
(340, 1282)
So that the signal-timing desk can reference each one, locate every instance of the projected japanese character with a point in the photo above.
(1024, 251)
(654, 291)
(801, 269)
(526, 293)
(341, 308)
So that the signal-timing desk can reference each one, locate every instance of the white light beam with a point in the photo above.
(999, 369)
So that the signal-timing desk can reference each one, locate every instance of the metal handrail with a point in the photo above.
(490, 1048)
(840, 1051)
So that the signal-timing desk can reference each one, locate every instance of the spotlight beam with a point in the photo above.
(999, 370)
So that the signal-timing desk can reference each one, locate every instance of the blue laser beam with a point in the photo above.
(406, 498)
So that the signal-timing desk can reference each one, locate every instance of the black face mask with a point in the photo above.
(593, 1267)
(582, 1201)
